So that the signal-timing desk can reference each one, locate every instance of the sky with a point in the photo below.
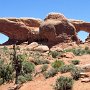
(75, 9)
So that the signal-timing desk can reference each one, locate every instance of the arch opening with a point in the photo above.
(3, 38)
(82, 35)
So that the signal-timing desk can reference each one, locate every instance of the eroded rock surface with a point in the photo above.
(19, 29)
(54, 28)
(57, 28)
(88, 39)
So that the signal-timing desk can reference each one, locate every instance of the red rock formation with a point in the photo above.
(56, 16)
(80, 25)
(87, 40)
(55, 28)
(56, 25)
(18, 29)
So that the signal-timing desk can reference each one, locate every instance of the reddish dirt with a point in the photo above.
(40, 83)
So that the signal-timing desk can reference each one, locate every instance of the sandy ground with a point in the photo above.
(40, 83)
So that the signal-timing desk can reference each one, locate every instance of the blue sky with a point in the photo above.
(77, 9)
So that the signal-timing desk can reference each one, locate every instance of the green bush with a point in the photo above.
(24, 78)
(75, 72)
(64, 68)
(79, 51)
(88, 51)
(28, 67)
(28, 77)
(86, 48)
(39, 62)
(6, 72)
(5, 48)
(56, 64)
(17, 48)
(75, 62)
(44, 67)
(64, 83)
(1, 81)
(21, 79)
(1, 63)
(22, 57)
(50, 73)
(54, 54)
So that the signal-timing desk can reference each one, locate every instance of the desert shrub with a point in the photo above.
(28, 77)
(1, 62)
(64, 83)
(86, 48)
(71, 66)
(75, 62)
(78, 51)
(64, 68)
(39, 62)
(54, 54)
(5, 48)
(50, 73)
(26, 72)
(17, 48)
(67, 50)
(24, 78)
(88, 51)
(22, 57)
(1, 81)
(56, 64)
(21, 79)
(6, 72)
(44, 67)
(28, 67)
(9, 72)
(75, 72)
(36, 54)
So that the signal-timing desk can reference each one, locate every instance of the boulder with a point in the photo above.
(56, 16)
(33, 45)
(68, 55)
(83, 75)
(31, 59)
(86, 67)
(42, 48)
(59, 49)
(86, 80)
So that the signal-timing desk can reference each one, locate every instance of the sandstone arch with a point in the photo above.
(18, 29)
(25, 29)
(81, 25)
